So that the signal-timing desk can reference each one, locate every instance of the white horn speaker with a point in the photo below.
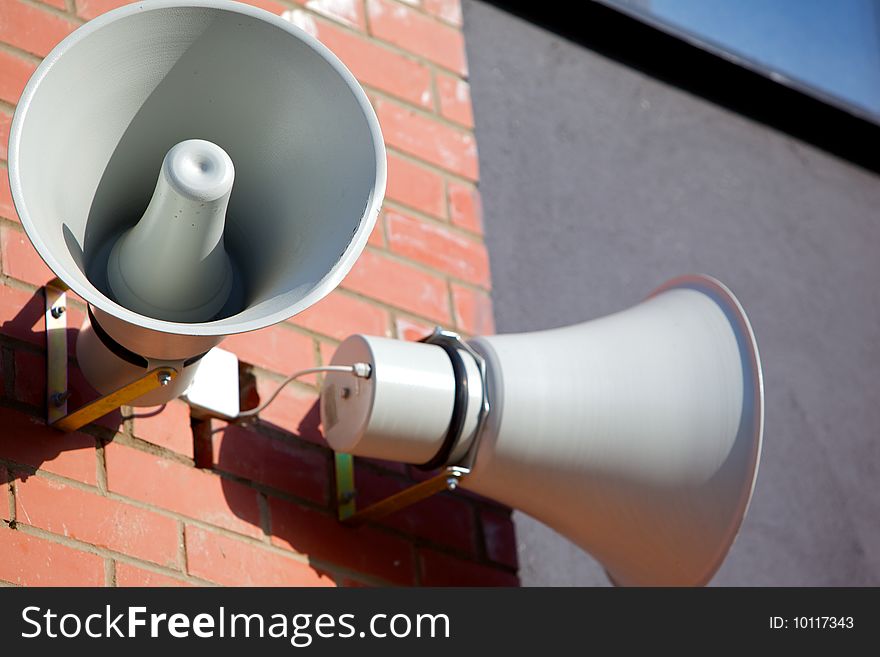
(636, 435)
(192, 169)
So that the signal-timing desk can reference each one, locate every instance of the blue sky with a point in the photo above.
(833, 45)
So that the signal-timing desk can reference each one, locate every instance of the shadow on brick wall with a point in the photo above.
(23, 342)
(294, 479)
(275, 484)
(449, 539)
(27, 443)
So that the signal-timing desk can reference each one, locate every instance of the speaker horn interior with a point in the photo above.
(104, 108)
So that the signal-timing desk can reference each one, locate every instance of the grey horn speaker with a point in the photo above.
(636, 435)
(193, 259)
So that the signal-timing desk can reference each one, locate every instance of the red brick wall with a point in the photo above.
(152, 500)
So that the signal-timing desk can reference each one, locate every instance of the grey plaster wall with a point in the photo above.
(599, 183)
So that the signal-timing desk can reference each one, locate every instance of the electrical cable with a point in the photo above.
(360, 370)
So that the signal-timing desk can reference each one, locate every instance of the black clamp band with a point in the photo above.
(124, 353)
(459, 409)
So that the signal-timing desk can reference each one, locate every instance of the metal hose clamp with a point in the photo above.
(451, 343)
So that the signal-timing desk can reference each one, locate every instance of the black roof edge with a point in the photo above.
(727, 83)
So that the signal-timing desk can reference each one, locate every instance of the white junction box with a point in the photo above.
(214, 389)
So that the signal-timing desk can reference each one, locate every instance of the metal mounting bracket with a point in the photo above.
(57, 391)
(447, 479)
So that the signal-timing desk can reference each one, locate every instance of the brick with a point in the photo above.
(399, 284)
(410, 329)
(371, 63)
(276, 348)
(30, 378)
(440, 569)
(92, 518)
(228, 561)
(417, 33)
(443, 519)
(339, 315)
(185, 490)
(7, 207)
(20, 259)
(167, 426)
(22, 317)
(499, 537)
(455, 99)
(14, 74)
(465, 209)
(349, 12)
(283, 465)
(473, 310)
(294, 410)
(327, 351)
(322, 537)
(269, 5)
(427, 138)
(30, 387)
(377, 235)
(384, 287)
(31, 561)
(349, 583)
(82, 392)
(29, 441)
(447, 10)
(132, 576)
(385, 466)
(5, 124)
(58, 4)
(415, 186)
(304, 20)
(93, 8)
(5, 478)
(438, 247)
(31, 28)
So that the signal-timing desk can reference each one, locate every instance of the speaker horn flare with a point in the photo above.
(184, 89)
(636, 435)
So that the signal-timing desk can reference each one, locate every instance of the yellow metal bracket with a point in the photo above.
(447, 479)
(57, 392)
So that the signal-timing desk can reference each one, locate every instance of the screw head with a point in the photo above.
(57, 311)
(345, 393)
(451, 483)
(164, 378)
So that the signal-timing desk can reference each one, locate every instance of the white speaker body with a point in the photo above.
(306, 146)
(636, 435)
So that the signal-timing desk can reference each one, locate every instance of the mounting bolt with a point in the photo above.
(345, 393)
(451, 483)
(164, 378)
(57, 311)
(60, 397)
